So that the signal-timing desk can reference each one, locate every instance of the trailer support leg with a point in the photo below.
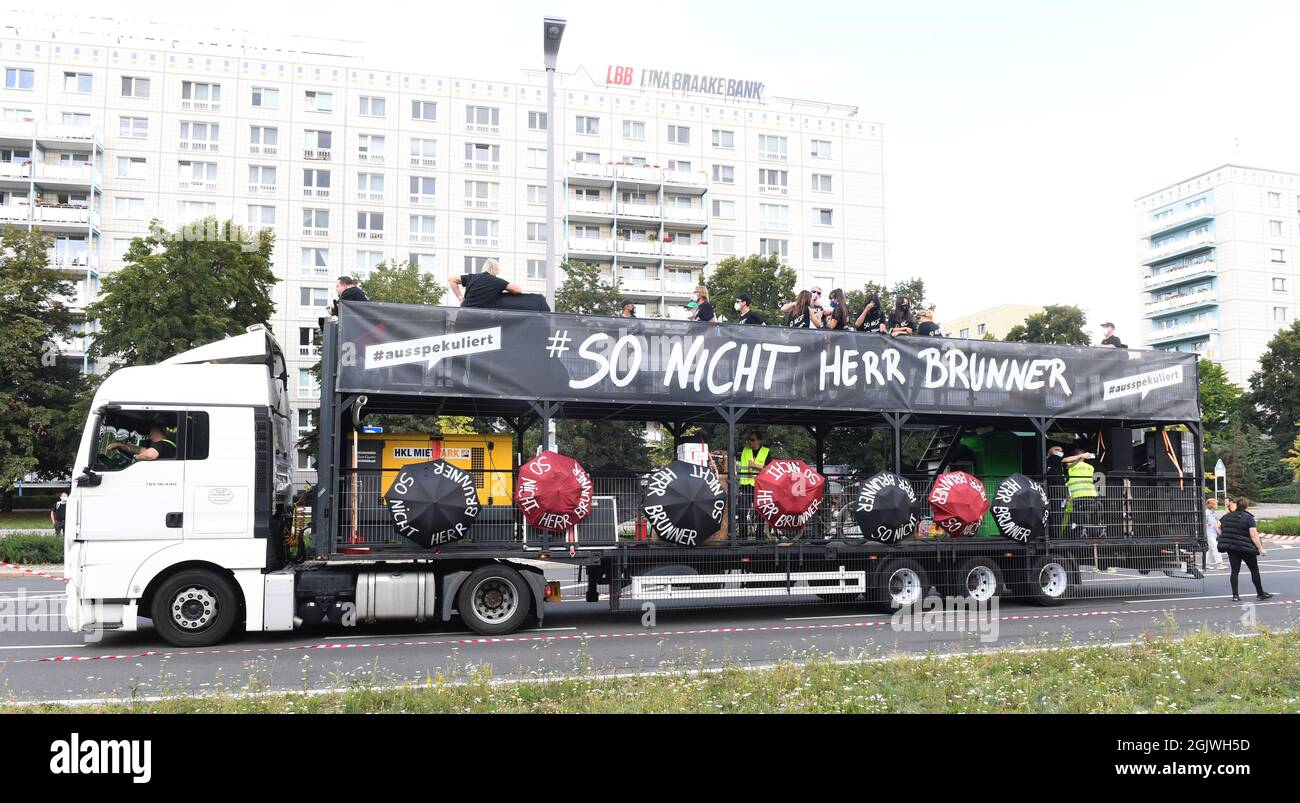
(896, 423)
(731, 415)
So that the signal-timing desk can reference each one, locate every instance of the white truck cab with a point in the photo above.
(185, 538)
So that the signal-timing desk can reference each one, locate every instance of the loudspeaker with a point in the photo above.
(1119, 449)
(1157, 459)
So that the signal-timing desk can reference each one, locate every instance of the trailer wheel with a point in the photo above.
(1051, 578)
(194, 608)
(494, 600)
(899, 583)
(978, 579)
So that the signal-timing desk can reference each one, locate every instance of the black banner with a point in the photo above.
(447, 351)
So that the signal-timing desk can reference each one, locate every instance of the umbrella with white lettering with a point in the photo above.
(554, 492)
(1020, 508)
(958, 503)
(433, 503)
(788, 494)
(886, 508)
(684, 503)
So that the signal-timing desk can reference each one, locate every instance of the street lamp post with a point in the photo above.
(553, 32)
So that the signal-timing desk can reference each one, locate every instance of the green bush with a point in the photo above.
(1287, 525)
(1287, 494)
(31, 549)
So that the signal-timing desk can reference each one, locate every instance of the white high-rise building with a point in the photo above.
(1218, 256)
(351, 164)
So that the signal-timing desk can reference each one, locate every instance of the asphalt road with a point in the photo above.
(41, 663)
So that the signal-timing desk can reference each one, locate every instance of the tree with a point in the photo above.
(1272, 396)
(1220, 399)
(203, 282)
(586, 292)
(402, 283)
(1061, 324)
(1292, 459)
(912, 289)
(768, 283)
(1253, 461)
(37, 434)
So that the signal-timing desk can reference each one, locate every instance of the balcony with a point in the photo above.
(420, 199)
(640, 211)
(774, 156)
(317, 154)
(309, 391)
(1177, 248)
(683, 289)
(370, 158)
(590, 245)
(315, 192)
(640, 248)
(1180, 302)
(685, 214)
(474, 241)
(48, 134)
(1185, 332)
(773, 189)
(313, 272)
(367, 234)
(312, 231)
(201, 105)
(424, 161)
(590, 170)
(639, 285)
(477, 164)
(264, 150)
(197, 185)
(308, 351)
(638, 174)
(50, 217)
(584, 208)
(1179, 275)
(198, 146)
(423, 238)
(689, 251)
(81, 174)
(262, 189)
(369, 195)
(475, 128)
(485, 204)
(73, 262)
(312, 313)
(1181, 218)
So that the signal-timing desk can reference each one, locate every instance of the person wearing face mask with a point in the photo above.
(872, 317)
(747, 315)
(1054, 483)
(900, 320)
(838, 318)
(802, 315)
(703, 309)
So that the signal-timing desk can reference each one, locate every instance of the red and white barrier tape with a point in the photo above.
(35, 573)
(1280, 537)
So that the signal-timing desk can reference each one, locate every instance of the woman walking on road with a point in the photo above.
(1212, 527)
(1240, 539)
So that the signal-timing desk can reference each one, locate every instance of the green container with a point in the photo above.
(997, 455)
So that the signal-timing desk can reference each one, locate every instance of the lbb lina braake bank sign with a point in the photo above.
(684, 82)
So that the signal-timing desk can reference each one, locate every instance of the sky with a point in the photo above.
(1017, 134)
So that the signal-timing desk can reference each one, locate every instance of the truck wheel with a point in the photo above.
(1051, 579)
(978, 579)
(194, 608)
(494, 600)
(899, 583)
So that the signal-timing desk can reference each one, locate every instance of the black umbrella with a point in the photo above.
(433, 503)
(1020, 508)
(684, 503)
(886, 508)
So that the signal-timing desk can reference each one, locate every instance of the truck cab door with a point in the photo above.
(125, 499)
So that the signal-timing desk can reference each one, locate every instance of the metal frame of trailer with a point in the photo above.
(1152, 530)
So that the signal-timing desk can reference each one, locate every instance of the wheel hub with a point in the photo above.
(904, 587)
(980, 583)
(495, 600)
(1052, 580)
(194, 608)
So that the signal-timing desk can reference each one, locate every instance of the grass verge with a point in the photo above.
(1203, 672)
(25, 520)
(1287, 525)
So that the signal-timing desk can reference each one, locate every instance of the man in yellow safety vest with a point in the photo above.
(752, 459)
(1079, 483)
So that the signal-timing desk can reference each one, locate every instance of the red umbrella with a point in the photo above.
(554, 492)
(788, 494)
(958, 502)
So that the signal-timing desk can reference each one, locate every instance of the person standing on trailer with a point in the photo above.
(1083, 492)
(1240, 539)
(752, 459)
(872, 317)
(1054, 481)
(482, 289)
(1212, 529)
(703, 312)
(348, 291)
(747, 314)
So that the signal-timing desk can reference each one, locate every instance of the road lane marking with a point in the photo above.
(44, 647)
(1175, 599)
(842, 616)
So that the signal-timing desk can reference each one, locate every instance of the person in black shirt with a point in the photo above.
(627, 310)
(900, 320)
(59, 514)
(482, 289)
(838, 320)
(1054, 484)
(747, 315)
(928, 327)
(348, 291)
(703, 308)
(872, 317)
(801, 314)
(158, 447)
(1111, 341)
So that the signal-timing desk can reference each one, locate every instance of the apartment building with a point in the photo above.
(351, 164)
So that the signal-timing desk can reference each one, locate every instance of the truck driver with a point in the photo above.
(158, 447)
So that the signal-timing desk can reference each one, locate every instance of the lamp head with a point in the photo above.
(552, 33)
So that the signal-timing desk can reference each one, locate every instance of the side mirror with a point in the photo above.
(89, 479)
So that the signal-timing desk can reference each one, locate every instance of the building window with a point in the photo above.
(1275, 228)
(679, 134)
(423, 228)
(370, 148)
(424, 110)
(188, 211)
(423, 189)
(537, 121)
(537, 158)
(536, 194)
(198, 175)
(723, 138)
(316, 220)
(424, 152)
(475, 264)
(537, 232)
(129, 207)
(482, 194)
(199, 136)
(1279, 315)
(133, 127)
(769, 247)
(723, 243)
(723, 209)
(1277, 255)
(1275, 200)
(483, 118)
(724, 174)
(587, 125)
(265, 97)
(1279, 284)
(263, 140)
(425, 262)
(773, 180)
(130, 166)
(771, 146)
(823, 250)
(370, 186)
(481, 231)
(77, 82)
(200, 95)
(368, 261)
(980, 329)
(587, 232)
(821, 149)
(823, 217)
(633, 129)
(18, 78)
(536, 269)
(821, 182)
(370, 223)
(482, 155)
(319, 101)
(774, 215)
(317, 180)
(261, 215)
(679, 165)
(587, 156)
(372, 106)
(262, 176)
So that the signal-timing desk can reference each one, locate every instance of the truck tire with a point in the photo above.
(494, 600)
(978, 579)
(1051, 578)
(899, 583)
(194, 608)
